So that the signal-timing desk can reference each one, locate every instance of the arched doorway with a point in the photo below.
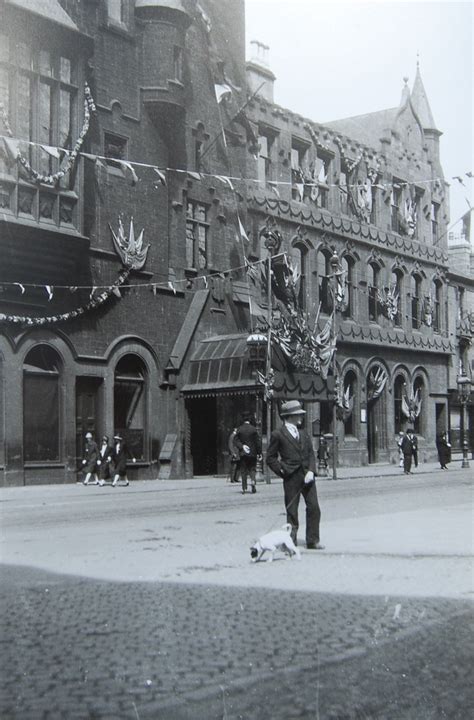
(130, 389)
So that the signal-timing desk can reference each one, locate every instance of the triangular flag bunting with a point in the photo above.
(243, 234)
(161, 176)
(222, 91)
(50, 290)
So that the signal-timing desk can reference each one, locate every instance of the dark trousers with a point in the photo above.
(248, 466)
(407, 462)
(293, 488)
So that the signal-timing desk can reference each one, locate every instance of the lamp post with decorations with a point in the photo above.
(335, 267)
(464, 392)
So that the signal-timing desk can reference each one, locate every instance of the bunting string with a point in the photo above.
(226, 179)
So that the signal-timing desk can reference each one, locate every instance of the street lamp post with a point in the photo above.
(334, 261)
(464, 392)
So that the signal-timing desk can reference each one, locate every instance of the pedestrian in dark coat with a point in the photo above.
(104, 460)
(119, 457)
(234, 457)
(249, 444)
(444, 450)
(407, 450)
(89, 463)
(291, 456)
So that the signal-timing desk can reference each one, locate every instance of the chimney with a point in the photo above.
(258, 71)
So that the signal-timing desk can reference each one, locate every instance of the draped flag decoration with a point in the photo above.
(376, 382)
(411, 404)
(344, 401)
(304, 348)
(388, 299)
(130, 250)
(427, 315)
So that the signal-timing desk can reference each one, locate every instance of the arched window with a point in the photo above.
(348, 268)
(396, 286)
(350, 390)
(373, 285)
(398, 392)
(299, 256)
(41, 405)
(415, 301)
(130, 403)
(437, 296)
(324, 280)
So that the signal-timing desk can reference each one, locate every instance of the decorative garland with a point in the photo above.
(89, 106)
(93, 303)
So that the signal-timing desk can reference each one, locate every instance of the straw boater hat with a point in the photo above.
(89, 435)
(292, 407)
(117, 437)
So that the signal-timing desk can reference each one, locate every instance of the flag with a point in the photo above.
(53, 151)
(49, 289)
(161, 176)
(195, 175)
(127, 166)
(221, 91)
(275, 189)
(224, 179)
(242, 232)
(12, 147)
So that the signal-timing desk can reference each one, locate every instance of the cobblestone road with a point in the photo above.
(79, 648)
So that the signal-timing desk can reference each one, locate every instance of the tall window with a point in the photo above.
(41, 405)
(398, 391)
(415, 301)
(350, 387)
(130, 403)
(419, 390)
(298, 160)
(197, 229)
(396, 198)
(461, 300)
(348, 267)
(38, 87)
(322, 168)
(434, 222)
(437, 295)
(373, 285)
(324, 281)
(299, 256)
(266, 142)
(396, 286)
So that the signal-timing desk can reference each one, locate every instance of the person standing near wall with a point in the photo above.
(89, 463)
(444, 450)
(103, 462)
(407, 450)
(234, 457)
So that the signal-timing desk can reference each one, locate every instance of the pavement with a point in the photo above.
(141, 603)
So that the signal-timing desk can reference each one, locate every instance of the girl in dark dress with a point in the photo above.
(119, 457)
(89, 463)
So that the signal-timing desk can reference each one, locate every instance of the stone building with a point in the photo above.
(142, 165)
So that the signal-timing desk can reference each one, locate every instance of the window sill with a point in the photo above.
(37, 465)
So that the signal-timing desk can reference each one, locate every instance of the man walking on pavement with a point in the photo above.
(291, 456)
(407, 450)
(249, 444)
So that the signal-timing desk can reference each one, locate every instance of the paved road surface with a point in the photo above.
(142, 603)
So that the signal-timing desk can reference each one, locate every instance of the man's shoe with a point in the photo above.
(254, 489)
(314, 546)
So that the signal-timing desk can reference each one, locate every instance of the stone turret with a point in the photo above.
(258, 71)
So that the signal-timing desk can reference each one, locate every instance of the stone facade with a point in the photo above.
(71, 361)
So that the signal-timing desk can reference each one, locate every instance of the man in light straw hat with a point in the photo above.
(291, 456)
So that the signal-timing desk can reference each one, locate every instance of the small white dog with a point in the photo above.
(272, 541)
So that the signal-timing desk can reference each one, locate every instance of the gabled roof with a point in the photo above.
(368, 128)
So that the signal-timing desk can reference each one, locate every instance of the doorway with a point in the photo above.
(204, 436)
(87, 411)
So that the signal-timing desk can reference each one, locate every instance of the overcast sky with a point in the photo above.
(337, 58)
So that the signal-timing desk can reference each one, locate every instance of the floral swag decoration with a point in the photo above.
(13, 148)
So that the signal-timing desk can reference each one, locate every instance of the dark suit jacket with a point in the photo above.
(286, 455)
(247, 434)
(406, 445)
